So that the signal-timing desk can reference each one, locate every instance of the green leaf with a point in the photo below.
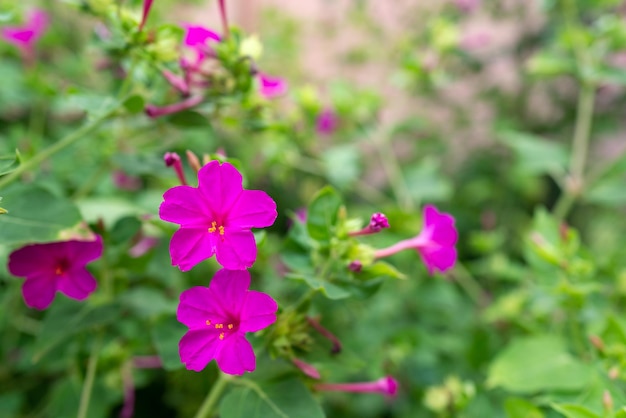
(322, 214)
(35, 215)
(380, 269)
(283, 399)
(330, 290)
(189, 119)
(124, 229)
(520, 408)
(148, 302)
(575, 411)
(427, 182)
(9, 162)
(536, 155)
(134, 104)
(536, 364)
(342, 165)
(67, 318)
(610, 192)
(166, 333)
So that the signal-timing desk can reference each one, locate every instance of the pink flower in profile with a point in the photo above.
(198, 38)
(387, 386)
(55, 266)
(218, 318)
(216, 218)
(326, 122)
(271, 87)
(25, 36)
(435, 243)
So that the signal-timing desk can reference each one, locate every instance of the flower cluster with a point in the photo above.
(216, 218)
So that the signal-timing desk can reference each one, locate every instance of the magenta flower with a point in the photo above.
(326, 122)
(55, 266)
(218, 318)
(435, 243)
(216, 218)
(387, 386)
(197, 39)
(24, 37)
(147, 5)
(271, 87)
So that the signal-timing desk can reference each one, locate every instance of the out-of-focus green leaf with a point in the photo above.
(342, 165)
(147, 302)
(134, 104)
(575, 411)
(282, 399)
(9, 163)
(535, 364)
(166, 333)
(189, 119)
(35, 216)
(520, 408)
(427, 183)
(330, 290)
(322, 214)
(536, 155)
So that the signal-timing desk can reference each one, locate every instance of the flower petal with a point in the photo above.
(237, 251)
(236, 355)
(441, 259)
(221, 185)
(254, 209)
(190, 246)
(230, 289)
(197, 305)
(77, 283)
(184, 205)
(39, 291)
(82, 252)
(197, 348)
(34, 259)
(441, 224)
(258, 312)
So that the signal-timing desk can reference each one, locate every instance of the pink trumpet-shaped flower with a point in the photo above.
(197, 39)
(55, 266)
(387, 386)
(326, 122)
(435, 243)
(216, 218)
(218, 318)
(271, 87)
(24, 37)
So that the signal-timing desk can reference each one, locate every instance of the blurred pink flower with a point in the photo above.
(326, 122)
(55, 266)
(476, 39)
(147, 5)
(142, 246)
(271, 87)
(435, 243)
(218, 318)
(24, 37)
(124, 181)
(387, 386)
(467, 6)
(216, 218)
(197, 39)
(306, 368)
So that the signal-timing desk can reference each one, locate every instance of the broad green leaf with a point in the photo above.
(342, 165)
(35, 215)
(147, 302)
(189, 119)
(322, 214)
(166, 333)
(609, 192)
(124, 229)
(9, 163)
(134, 104)
(535, 364)
(427, 183)
(536, 155)
(283, 399)
(575, 411)
(330, 290)
(380, 269)
(520, 408)
(67, 318)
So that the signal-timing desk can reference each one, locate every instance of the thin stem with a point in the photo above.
(57, 146)
(224, 18)
(582, 132)
(206, 409)
(469, 284)
(90, 376)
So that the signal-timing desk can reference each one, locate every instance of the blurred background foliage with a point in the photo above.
(485, 108)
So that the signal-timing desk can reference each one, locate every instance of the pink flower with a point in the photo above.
(125, 181)
(218, 318)
(435, 243)
(147, 5)
(307, 369)
(326, 122)
(467, 6)
(197, 39)
(25, 36)
(387, 386)
(216, 218)
(271, 87)
(55, 266)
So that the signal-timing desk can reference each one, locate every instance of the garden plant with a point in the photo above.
(194, 224)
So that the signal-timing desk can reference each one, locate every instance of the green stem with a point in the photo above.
(469, 284)
(206, 409)
(58, 146)
(90, 376)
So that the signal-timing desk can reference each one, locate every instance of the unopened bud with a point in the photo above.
(355, 266)
(613, 373)
(597, 342)
(193, 161)
(607, 401)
